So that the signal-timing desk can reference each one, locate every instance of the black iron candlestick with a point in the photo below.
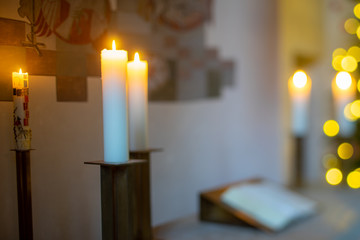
(23, 175)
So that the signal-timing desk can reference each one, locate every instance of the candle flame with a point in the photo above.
(113, 45)
(299, 79)
(20, 71)
(136, 57)
(343, 80)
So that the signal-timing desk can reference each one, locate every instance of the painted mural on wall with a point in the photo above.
(75, 22)
(169, 34)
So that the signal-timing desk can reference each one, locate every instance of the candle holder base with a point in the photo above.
(117, 193)
(142, 201)
(23, 177)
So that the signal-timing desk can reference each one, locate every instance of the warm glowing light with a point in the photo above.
(349, 63)
(355, 108)
(334, 176)
(343, 80)
(299, 86)
(357, 10)
(336, 63)
(330, 161)
(300, 79)
(20, 71)
(358, 85)
(351, 25)
(355, 52)
(345, 150)
(113, 45)
(339, 52)
(331, 128)
(348, 114)
(353, 179)
(136, 57)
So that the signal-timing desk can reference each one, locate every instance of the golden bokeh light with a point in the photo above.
(339, 52)
(299, 79)
(357, 10)
(345, 151)
(330, 161)
(358, 85)
(343, 80)
(336, 63)
(355, 52)
(358, 32)
(331, 128)
(348, 114)
(351, 25)
(353, 179)
(349, 63)
(334, 176)
(355, 108)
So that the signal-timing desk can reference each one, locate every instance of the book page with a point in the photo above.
(270, 204)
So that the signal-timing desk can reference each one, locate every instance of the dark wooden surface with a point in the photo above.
(298, 180)
(126, 197)
(121, 164)
(142, 197)
(117, 192)
(23, 174)
(116, 215)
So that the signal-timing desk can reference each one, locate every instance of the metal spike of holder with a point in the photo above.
(125, 197)
(23, 176)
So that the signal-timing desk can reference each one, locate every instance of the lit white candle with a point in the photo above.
(138, 103)
(21, 116)
(344, 91)
(299, 88)
(114, 91)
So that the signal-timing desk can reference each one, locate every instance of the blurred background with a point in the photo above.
(219, 101)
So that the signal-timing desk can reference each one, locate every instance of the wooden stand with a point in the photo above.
(117, 193)
(23, 175)
(142, 200)
(125, 197)
(298, 179)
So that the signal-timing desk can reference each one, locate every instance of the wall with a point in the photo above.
(206, 143)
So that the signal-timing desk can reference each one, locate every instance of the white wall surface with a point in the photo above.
(206, 143)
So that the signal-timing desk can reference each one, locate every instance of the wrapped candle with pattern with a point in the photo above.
(21, 113)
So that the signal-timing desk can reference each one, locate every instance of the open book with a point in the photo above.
(269, 204)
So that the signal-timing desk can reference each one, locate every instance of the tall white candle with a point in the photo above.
(299, 88)
(114, 91)
(344, 91)
(21, 116)
(138, 103)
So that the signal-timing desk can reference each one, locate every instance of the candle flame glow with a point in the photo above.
(113, 45)
(300, 79)
(136, 57)
(20, 71)
(343, 80)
